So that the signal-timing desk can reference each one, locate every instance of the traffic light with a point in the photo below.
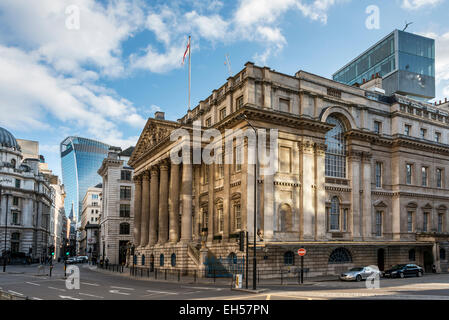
(52, 250)
(242, 241)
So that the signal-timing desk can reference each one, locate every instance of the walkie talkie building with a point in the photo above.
(80, 160)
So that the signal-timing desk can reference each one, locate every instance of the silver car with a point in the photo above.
(359, 273)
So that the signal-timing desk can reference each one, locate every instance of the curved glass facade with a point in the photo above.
(80, 160)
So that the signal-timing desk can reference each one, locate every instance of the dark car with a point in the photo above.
(404, 270)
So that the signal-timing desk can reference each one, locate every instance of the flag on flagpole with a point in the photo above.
(187, 51)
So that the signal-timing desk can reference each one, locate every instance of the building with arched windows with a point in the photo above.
(360, 178)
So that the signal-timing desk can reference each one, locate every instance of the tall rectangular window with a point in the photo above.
(125, 193)
(209, 122)
(425, 222)
(424, 176)
(410, 221)
(17, 183)
(409, 169)
(439, 178)
(15, 218)
(345, 219)
(125, 175)
(285, 160)
(125, 210)
(408, 130)
(437, 137)
(238, 216)
(423, 133)
(15, 201)
(379, 223)
(222, 114)
(220, 219)
(378, 174)
(440, 223)
(238, 158)
(239, 103)
(378, 127)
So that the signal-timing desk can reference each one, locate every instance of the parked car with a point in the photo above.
(71, 260)
(82, 259)
(359, 273)
(404, 270)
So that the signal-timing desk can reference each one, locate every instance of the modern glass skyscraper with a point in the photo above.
(80, 160)
(405, 61)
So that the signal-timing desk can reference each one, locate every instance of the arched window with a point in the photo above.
(161, 260)
(285, 214)
(13, 163)
(336, 149)
(289, 258)
(124, 228)
(173, 260)
(442, 254)
(143, 259)
(340, 256)
(411, 255)
(232, 258)
(334, 214)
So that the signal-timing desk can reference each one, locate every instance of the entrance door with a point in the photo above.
(381, 259)
(123, 246)
(428, 261)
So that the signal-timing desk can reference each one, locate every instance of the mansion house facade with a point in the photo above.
(362, 179)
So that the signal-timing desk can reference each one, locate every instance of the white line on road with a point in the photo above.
(162, 292)
(68, 297)
(34, 284)
(34, 298)
(14, 292)
(91, 284)
(204, 288)
(90, 295)
(56, 289)
(118, 292)
(122, 288)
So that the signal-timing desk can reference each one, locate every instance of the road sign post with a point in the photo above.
(302, 252)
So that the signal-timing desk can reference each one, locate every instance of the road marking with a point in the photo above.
(34, 298)
(203, 288)
(68, 297)
(34, 284)
(268, 296)
(122, 288)
(56, 289)
(91, 284)
(118, 292)
(162, 292)
(14, 292)
(90, 295)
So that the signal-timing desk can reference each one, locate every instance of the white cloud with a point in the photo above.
(40, 94)
(418, 4)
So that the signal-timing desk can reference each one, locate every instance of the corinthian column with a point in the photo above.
(186, 196)
(174, 202)
(137, 208)
(163, 204)
(145, 208)
(154, 205)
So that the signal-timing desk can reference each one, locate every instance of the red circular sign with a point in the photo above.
(302, 252)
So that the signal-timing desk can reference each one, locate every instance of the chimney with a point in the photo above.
(159, 115)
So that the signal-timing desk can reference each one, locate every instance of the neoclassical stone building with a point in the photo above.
(362, 179)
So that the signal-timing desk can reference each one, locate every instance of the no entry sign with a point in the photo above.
(302, 252)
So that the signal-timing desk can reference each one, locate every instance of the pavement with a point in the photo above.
(95, 284)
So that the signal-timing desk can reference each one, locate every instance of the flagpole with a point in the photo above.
(190, 54)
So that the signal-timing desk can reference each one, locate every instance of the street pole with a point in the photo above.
(6, 232)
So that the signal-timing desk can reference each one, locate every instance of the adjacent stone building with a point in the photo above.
(361, 179)
(90, 221)
(26, 202)
(117, 216)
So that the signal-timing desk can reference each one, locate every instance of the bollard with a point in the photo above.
(194, 277)
(155, 273)
(165, 276)
(282, 280)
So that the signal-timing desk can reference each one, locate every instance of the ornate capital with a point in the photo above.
(320, 148)
(146, 175)
(164, 165)
(137, 179)
(355, 155)
(306, 146)
(154, 170)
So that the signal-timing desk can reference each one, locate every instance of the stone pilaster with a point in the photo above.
(186, 197)
(308, 186)
(367, 210)
(145, 207)
(355, 174)
(154, 205)
(137, 209)
(211, 203)
(320, 191)
(163, 204)
(174, 202)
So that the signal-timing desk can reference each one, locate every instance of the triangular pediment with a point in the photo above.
(153, 134)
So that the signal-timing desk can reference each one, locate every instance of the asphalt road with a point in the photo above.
(95, 285)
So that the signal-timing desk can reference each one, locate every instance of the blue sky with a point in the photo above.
(105, 78)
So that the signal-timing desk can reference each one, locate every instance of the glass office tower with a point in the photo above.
(80, 160)
(405, 61)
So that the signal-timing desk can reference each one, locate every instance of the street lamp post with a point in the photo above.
(244, 117)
